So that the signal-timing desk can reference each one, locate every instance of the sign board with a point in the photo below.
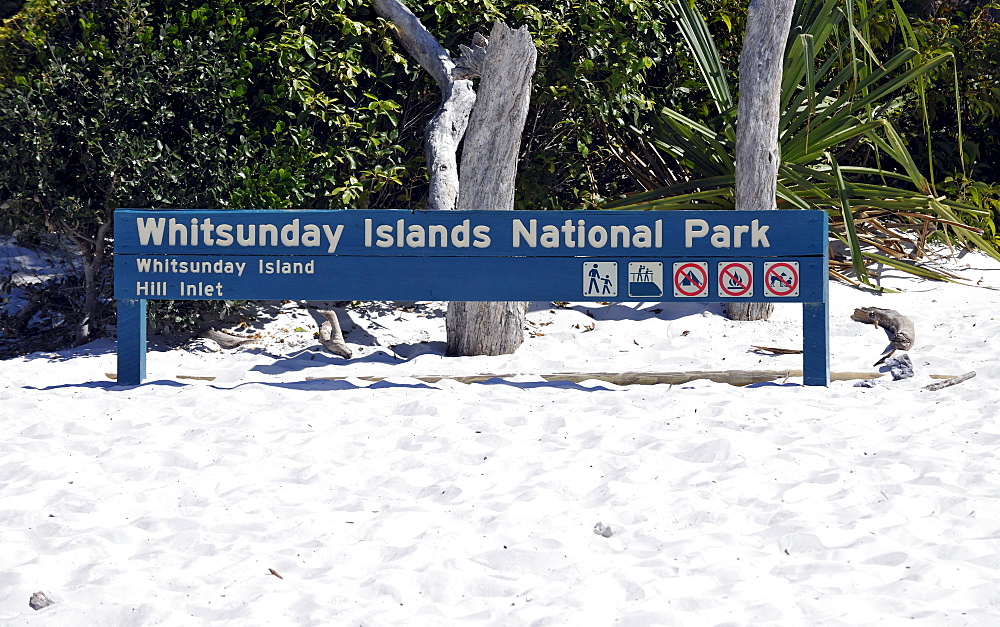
(606, 256)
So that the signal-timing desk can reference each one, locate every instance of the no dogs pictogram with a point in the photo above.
(690, 279)
(781, 278)
(736, 279)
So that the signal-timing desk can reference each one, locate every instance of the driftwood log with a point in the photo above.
(757, 114)
(226, 340)
(489, 167)
(445, 130)
(330, 335)
(940, 385)
(899, 327)
(732, 377)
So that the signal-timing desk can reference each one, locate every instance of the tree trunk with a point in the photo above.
(93, 253)
(757, 151)
(506, 64)
(489, 167)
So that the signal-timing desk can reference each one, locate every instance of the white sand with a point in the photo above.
(402, 502)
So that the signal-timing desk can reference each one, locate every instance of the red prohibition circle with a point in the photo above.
(791, 286)
(698, 290)
(725, 273)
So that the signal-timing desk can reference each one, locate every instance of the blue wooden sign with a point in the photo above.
(607, 256)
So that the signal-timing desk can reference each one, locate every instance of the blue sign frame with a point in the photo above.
(605, 256)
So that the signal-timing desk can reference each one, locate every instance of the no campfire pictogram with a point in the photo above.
(781, 278)
(736, 279)
(690, 279)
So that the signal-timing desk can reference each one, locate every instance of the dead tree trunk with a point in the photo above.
(489, 167)
(505, 64)
(757, 151)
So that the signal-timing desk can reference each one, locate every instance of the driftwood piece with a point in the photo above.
(225, 340)
(732, 377)
(493, 139)
(947, 383)
(472, 63)
(330, 335)
(899, 327)
(494, 119)
(768, 350)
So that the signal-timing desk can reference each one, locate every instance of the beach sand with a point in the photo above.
(262, 493)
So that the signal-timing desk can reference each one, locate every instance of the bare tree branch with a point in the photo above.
(447, 127)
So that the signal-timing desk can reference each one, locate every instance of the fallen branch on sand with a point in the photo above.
(901, 332)
(227, 340)
(767, 350)
(950, 382)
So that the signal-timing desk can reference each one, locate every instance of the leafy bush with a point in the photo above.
(122, 103)
(299, 103)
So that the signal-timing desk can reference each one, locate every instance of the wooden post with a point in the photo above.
(816, 343)
(758, 111)
(131, 341)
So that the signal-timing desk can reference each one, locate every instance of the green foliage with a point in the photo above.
(838, 100)
(308, 104)
(297, 103)
(125, 105)
(601, 65)
(974, 39)
(173, 316)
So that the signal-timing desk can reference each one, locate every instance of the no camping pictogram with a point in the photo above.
(781, 279)
(736, 279)
(690, 279)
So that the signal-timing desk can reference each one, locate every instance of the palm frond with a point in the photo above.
(835, 96)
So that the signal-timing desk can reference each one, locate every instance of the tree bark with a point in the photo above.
(489, 154)
(489, 168)
(758, 110)
(93, 253)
